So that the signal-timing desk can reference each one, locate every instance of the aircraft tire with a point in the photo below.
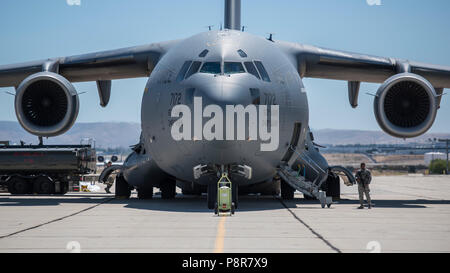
(145, 193)
(168, 189)
(122, 188)
(186, 191)
(333, 186)
(235, 196)
(212, 195)
(287, 192)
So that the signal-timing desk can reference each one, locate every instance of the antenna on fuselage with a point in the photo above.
(233, 14)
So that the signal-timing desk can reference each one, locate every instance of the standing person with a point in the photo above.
(110, 180)
(364, 177)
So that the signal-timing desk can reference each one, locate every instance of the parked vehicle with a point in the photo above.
(45, 169)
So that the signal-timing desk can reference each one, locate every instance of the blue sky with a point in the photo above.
(409, 29)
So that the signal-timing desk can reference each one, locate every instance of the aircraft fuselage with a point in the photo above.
(166, 89)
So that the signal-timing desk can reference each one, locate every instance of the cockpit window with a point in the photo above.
(255, 68)
(194, 69)
(262, 71)
(252, 69)
(183, 71)
(242, 53)
(204, 53)
(233, 68)
(211, 68)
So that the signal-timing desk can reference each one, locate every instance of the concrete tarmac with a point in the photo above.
(411, 214)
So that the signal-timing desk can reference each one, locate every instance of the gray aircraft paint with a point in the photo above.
(158, 155)
(179, 157)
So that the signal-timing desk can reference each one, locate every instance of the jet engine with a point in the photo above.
(406, 105)
(46, 104)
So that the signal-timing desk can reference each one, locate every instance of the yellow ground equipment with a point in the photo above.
(224, 205)
(84, 188)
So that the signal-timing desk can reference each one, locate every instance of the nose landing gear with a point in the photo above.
(223, 173)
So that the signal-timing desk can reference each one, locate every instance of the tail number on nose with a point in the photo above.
(175, 99)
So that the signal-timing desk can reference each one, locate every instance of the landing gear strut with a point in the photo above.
(221, 171)
(235, 196)
(212, 195)
(168, 189)
(145, 193)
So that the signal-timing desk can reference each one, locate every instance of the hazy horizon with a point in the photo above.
(312, 128)
(124, 134)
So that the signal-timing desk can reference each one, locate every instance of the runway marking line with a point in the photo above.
(220, 236)
(318, 235)
(58, 219)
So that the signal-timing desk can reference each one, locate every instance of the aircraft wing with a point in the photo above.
(122, 63)
(316, 62)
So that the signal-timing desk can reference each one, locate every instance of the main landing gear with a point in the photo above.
(229, 170)
(123, 190)
(168, 190)
(214, 189)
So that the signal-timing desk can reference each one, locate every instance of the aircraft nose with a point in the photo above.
(223, 93)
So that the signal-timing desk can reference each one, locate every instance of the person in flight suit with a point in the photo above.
(110, 180)
(364, 177)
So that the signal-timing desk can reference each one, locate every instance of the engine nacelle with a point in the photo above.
(46, 104)
(406, 105)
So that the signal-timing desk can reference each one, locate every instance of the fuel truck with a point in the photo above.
(44, 169)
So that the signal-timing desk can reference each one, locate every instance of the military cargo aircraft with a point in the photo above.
(227, 101)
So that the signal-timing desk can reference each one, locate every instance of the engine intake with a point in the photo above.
(406, 105)
(46, 104)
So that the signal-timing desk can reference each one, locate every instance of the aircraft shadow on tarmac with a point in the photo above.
(183, 203)
(198, 204)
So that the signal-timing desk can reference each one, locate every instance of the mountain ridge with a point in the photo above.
(125, 134)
